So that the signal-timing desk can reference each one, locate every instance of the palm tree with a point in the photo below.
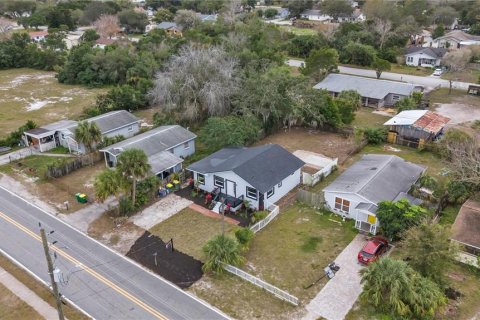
(133, 165)
(89, 134)
(109, 183)
(219, 250)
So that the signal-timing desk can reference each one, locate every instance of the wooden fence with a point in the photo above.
(311, 198)
(279, 293)
(69, 166)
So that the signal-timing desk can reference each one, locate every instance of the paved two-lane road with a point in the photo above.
(103, 283)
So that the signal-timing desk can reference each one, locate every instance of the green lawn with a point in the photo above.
(28, 94)
(449, 214)
(365, 118)
(12, 307)
(190, 231)
(413, 71)
(471, 74)
(299, 31)
(32, 166)
(289, 253)
(442, 95)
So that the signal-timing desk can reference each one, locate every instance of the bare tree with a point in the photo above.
(464, 159)
(196, 83)
(107, 26)
(457, 60)
(5, 26)
(383, 28)
(230, 10)
(187, 19)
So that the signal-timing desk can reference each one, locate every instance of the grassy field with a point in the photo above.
(33, 166)
(442, 96)
(42, 291)
(365, 118)
(190, 231)
(28, 94)
(289, 253)
(413, 71)
(12, 307)
(471, 75)
(299, 31)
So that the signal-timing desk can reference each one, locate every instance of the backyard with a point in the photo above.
(36, 95)
(289, 253)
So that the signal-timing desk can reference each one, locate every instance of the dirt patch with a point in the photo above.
(458, 112)
(330, 144)
(115, 233)
(175, 266)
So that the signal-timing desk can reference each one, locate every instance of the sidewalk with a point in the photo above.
(337, 297)
(27, 295)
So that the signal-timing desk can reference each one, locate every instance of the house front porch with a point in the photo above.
(41, 140)
(366, 219)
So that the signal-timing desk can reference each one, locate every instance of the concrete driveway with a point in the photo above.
(337, 297)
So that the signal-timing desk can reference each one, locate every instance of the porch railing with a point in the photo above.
(274, 211)
(279, 293)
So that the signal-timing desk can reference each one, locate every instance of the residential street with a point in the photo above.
(429, 82)
(103, 283)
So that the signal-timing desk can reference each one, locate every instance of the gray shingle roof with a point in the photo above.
(165, 25)
(161, 161)
(377, 177)
(113, 120)
(366, 87)
(432, 52)
(262, 167)
(155, 140)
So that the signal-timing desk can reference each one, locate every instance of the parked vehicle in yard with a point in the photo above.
(438, 72)
(372, 250)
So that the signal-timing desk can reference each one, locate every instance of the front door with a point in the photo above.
(260, 202)
(231, 188)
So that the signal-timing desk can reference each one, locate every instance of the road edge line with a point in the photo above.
(206, 304)
(44, 283)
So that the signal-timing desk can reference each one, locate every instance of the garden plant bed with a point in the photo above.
(200, 200)
(175, 266)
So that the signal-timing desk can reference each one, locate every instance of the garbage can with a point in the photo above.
(81, 197)
(176, 183)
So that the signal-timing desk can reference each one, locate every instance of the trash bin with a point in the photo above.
(176, 183)
(81, 197)
(169, 187)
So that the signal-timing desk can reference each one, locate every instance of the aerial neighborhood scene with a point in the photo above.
(240, 159)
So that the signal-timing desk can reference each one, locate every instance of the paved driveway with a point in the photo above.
(337, 297)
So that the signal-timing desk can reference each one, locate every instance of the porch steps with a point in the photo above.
(216, 209)
(211, 214)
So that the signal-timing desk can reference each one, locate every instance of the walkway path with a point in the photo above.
(82, 218)
(27, 295)
(160, 211)
(211, 214)
(337, 297)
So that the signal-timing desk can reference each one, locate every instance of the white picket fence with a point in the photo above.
(262, 284)
(313, 179)
(274, 211)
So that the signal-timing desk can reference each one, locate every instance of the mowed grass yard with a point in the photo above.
(289, 253)
(27, 94)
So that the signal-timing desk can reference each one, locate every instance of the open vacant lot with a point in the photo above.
(330, 144)
(27, 94)
(289, 253)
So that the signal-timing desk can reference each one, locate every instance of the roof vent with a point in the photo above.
(374, 168)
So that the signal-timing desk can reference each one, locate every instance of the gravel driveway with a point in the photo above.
(337, 297)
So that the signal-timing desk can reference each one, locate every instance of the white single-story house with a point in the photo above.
(424, 57)
(374, 92)
(454, 40)
(165, 147)
(38, 36)
(315, 15)
(356, 193)
(262, 175)
(62, 133)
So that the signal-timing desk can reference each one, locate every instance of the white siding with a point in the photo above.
(287, 184)
(354, 201)
(413, 59)
(389, 101)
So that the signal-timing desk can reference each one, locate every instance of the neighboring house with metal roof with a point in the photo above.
(414, 128)
(165, 147)
(374, 92)
(424, 57)
(466, 230)
(262, 175)
(356, 193)
(62, 133)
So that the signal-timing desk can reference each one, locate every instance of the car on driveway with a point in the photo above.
(438, 72)
(372, 250)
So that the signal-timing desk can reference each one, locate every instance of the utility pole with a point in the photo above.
(50, 271)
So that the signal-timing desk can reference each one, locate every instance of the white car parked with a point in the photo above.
(438, 72)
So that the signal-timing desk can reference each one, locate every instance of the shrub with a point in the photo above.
(146, 190)
(125, 206)
(374, 135)
(14, 138)
(244, 236)
(458, 191)
(221, 250)
(259, 215)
